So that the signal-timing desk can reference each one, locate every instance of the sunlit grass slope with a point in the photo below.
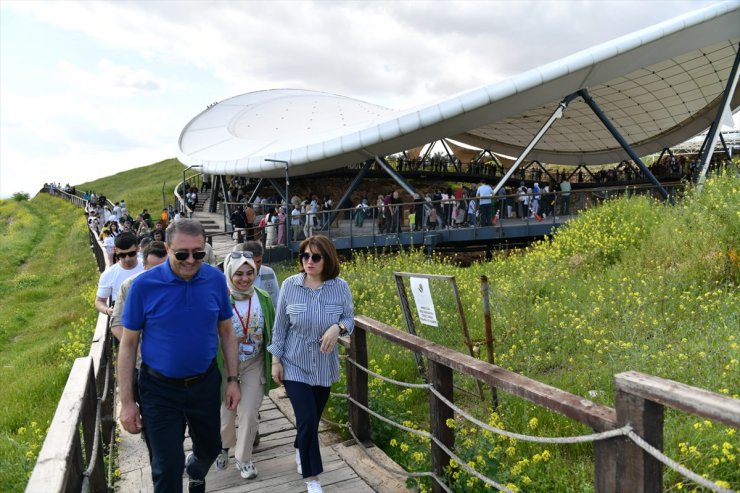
(47, 287)
(141, 187)
(631, 285)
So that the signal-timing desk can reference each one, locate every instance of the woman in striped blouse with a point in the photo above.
(315, 307)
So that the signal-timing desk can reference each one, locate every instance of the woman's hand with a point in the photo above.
(329, 339)
(277, 372)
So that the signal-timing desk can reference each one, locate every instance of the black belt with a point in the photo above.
(180, 382)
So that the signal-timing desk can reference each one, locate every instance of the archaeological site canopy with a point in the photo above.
(659, 86)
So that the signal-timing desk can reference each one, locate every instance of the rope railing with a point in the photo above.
(626, 431)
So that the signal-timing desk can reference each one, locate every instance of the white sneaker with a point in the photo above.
(298, 462)
(314, 486)
(222, 460)
(247, 469)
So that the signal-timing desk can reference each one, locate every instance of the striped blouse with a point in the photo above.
(301, 318)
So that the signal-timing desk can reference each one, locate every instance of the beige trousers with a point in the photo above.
(240, 436)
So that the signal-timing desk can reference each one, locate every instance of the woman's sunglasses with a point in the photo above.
(316, 257)
(236, 255)
(197, 255)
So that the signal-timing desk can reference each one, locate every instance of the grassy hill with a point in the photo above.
(47, 286)
(144, 187)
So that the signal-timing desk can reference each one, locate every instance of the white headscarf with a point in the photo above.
(231, 265)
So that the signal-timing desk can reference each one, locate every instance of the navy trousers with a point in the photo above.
(308, 404)
(164, 407)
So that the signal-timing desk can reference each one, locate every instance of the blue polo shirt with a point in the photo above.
(178, 319)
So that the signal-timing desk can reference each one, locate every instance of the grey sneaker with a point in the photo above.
(222, 460)
(247, 469)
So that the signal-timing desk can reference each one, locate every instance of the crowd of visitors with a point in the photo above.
(199, 347)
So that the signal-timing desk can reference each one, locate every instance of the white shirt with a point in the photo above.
(111, 279)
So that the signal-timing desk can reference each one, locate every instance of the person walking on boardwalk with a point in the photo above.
(253, 317)
(127, 265)
(154, 253)
(183, 309)
(315, 308)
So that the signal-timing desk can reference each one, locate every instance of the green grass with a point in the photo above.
(631, 285)
(141, 187)
(47, 287)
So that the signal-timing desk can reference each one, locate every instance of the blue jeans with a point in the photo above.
(308, 403)
(164, 408)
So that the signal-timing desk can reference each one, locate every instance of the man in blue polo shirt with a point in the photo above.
(179, 310)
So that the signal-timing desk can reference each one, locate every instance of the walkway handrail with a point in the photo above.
(71, 458)
(621, 465)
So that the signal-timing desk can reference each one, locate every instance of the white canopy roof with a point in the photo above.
(659, 86)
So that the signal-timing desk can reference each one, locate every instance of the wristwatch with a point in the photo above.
(342, 329)
(232, 379)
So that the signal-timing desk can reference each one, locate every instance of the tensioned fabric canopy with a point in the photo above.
(659, 86)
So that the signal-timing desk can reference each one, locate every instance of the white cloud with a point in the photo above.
(163, 61)
(110, 79)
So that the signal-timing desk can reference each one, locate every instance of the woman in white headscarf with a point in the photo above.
(252, 320)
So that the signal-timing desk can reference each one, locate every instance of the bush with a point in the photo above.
(21, 196)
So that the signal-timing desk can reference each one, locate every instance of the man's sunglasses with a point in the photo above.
(316, 257)
(197, 255)
(126, 254)
(236, 255)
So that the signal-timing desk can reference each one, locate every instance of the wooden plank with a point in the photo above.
(376, 477)
(440, 376)
(638, 471)
(357, 386)
(598, 417)
(61, 445)
(97, 348)
(694, 400)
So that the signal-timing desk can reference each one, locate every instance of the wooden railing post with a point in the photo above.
(440, 377)
(605, 464)
(638, 471)
(357, 385)
(89, 424)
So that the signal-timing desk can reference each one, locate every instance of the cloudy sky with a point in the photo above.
(88, 89)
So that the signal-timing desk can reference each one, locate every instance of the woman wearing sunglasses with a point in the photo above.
(314, 309)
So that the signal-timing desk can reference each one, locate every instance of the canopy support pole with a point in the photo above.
(348, 193)
(625, 145)
(256, 191)
(395, 175)
(714, 130)
(451, 156)
(213, 197)
(555, 115)
(280, 190)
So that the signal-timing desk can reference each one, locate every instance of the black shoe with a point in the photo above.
(196, 485)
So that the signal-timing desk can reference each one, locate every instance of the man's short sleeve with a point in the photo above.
(105, 284)
(225, 311)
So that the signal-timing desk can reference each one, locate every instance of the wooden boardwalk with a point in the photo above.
(346, 468)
